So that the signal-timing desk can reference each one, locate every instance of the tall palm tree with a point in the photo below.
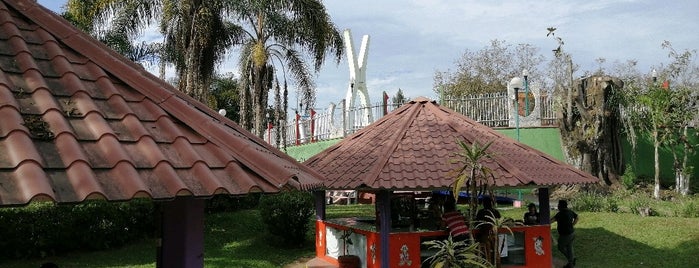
(278, 34)
(273, 35)
(197, 33)
(87, 16)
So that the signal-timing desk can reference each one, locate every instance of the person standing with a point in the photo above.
(566, 219)
(532, 216)
(487, 229)
(454, 221)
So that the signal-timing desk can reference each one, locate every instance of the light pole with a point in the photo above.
(654, 76)
(525, 74)
(516, 84)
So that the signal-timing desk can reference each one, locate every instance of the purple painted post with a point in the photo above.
(182, 233)
(320, 205)
(544, 206)
(383, 203)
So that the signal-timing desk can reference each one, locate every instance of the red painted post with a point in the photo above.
(269, 132)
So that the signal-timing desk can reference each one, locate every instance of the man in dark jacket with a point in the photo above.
(566, 219)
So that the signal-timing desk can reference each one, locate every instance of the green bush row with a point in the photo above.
(42, 228)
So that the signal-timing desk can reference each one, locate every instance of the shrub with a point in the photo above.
(687, 208)
(595, 202)
(287, 215)
(641, 205)
(229, 203)
(629, 177)
(42, 228)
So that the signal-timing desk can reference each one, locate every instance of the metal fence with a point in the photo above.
(493, 110)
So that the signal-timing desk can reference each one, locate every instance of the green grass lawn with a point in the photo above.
(238, 239)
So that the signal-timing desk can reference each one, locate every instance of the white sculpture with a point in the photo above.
(357, 85)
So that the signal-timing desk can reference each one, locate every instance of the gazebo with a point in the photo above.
(414, 149)
(79, 122)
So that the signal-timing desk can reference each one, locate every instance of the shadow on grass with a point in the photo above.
(240, 239)
(598, 247)
(137, 255)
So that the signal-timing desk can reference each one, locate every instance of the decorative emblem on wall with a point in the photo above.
(372, 248)
(539, 245)
(404, 256)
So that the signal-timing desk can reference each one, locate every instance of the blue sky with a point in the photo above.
(411, 39)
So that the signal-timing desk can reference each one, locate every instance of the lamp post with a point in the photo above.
(516, 84)
(525, 74)
(654, 76)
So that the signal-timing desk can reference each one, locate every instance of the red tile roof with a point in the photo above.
(415, 148)
(79, 121)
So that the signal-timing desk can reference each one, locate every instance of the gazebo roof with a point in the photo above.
(80, 121)
(415, 148)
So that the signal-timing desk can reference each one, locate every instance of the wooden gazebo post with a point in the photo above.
(383, 204)
(544, 206)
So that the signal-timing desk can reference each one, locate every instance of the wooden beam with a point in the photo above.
(182, 233)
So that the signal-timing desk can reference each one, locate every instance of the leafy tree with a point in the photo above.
(488, 69)
(277, 36)
(399, 98)
(667, 112)
(224, 93)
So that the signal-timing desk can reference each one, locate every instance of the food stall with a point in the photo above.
(415, 149)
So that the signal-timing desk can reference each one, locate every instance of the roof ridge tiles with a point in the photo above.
(393, 144)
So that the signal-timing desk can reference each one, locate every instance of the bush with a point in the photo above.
(641, 205)
(595, 202)
(287, 215)
(229, 203)
(628, 179)
(687, 208)
(42, 229)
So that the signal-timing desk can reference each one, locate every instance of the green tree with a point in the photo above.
(488, 70)
(278, 36)
(666, 112)
(224, 93)
(399, 98)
